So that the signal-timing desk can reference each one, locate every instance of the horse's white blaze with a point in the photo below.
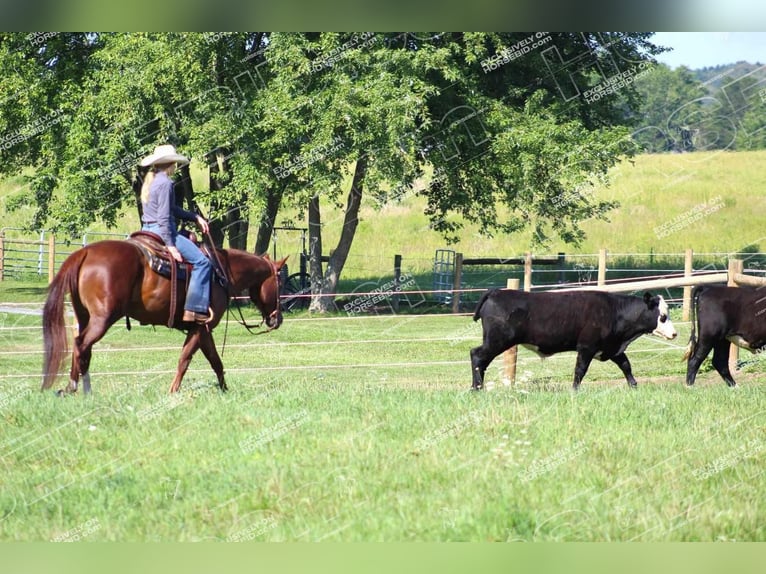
(666, 329)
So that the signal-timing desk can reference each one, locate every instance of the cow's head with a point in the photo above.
(664, 326)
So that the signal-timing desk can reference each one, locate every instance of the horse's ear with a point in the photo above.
(281, 262)
(266, 256)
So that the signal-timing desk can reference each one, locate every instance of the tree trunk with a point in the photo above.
(237, 228)
(320, 303)
(138, 181)
(315, 246)
(268, 218)
(217, 168)
(184, 190)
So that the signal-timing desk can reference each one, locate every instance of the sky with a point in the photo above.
(699, 49)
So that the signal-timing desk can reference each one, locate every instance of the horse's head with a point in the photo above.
(266, 297)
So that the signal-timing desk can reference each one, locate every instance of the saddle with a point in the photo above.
(161, 262)
(158, 257)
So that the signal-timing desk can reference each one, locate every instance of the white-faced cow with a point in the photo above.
(722, 315)
(595, 324)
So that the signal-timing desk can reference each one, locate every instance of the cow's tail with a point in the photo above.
(55, 336)
(487, 295)
(691, 347)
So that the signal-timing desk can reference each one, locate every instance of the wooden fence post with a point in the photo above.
(528, 272)
(735, 266)
(51, 258)
(397, 282)
(456, 282)
(688, 269)
(562, 262)
(511, 355)
(602, 266)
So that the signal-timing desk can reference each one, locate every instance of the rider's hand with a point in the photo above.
(203, 224)
(173, 250)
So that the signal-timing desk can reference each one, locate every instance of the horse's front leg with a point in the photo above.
(211, 353)
(190, 347)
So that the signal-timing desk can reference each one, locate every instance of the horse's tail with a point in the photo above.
(487, 294)
(692, 346)
(55, 336)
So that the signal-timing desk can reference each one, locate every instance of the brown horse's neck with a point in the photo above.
(245, 269)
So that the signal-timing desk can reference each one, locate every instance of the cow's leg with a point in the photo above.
(191, 344)
(481, 357)
(584, 357)
(207, 345)
(701, 351)
(721, 361)
(622, 361)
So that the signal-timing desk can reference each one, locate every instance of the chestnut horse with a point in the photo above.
(109, 280)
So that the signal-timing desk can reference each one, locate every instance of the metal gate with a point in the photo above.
(444, 275)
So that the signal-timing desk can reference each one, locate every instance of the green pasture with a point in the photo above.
(363, 429)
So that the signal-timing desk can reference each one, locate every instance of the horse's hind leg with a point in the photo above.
(211, 353)
(89, 335)
(191, 345)
(74, 371)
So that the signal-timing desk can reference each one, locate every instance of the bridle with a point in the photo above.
(242, 321)
(273, 315)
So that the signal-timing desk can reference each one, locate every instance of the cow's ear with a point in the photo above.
(650, 301)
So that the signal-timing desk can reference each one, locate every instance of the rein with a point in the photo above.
(250, 328)
(242, 321)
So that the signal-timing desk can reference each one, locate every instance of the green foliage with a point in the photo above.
(681, 113)
(318, 103)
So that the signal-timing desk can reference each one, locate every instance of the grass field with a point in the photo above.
(363, 429)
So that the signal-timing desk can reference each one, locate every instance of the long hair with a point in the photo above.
(149, 178)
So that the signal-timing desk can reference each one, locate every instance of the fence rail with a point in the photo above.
(21, 257)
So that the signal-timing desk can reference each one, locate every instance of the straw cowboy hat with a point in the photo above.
(163, 154)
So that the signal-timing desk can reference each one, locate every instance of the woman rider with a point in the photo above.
(160, 213)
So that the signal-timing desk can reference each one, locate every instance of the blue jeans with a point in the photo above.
(198, 295)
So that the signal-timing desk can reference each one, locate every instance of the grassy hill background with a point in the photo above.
(654, 192)
(715, 199)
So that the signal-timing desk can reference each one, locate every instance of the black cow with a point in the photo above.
(722, 315)
(593, 323)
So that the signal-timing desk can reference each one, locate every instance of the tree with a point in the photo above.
(127, 93)
(520, 146)
(674, 108)
(342, 106)
(515, 127)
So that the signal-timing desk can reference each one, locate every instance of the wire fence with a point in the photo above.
(414, 284)
(458, 334)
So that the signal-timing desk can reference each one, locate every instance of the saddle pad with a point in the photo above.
(158, 257)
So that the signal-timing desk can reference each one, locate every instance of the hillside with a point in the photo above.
(713, 76)
(664, 191)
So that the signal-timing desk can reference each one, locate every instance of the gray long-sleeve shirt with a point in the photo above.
(161, 208)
